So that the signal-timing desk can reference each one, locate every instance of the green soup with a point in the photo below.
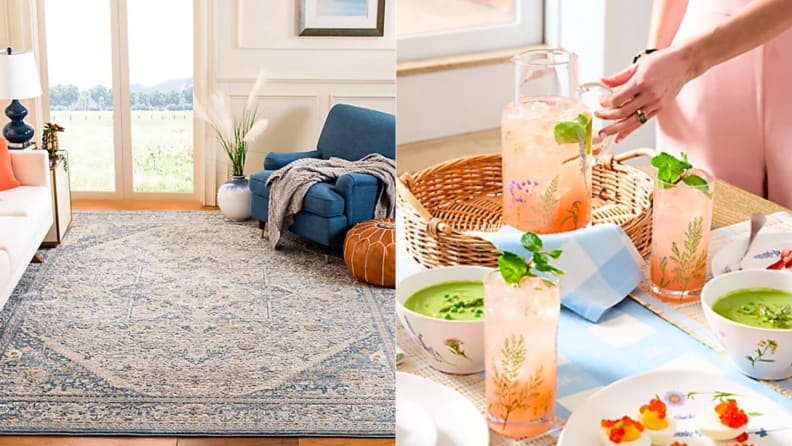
(757, 307)
(456, 301)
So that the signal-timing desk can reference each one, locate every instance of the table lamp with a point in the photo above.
(19, 79)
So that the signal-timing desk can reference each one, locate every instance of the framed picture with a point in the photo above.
(341, 17)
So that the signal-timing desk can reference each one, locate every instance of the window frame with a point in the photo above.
(122, 139)
(527, 29)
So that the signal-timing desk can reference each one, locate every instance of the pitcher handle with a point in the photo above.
(590, 93)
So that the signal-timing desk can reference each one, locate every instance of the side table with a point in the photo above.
(61, 200)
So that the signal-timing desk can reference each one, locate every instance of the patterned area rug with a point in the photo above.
(165, 323)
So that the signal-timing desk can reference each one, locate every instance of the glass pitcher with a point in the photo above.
(547, 145)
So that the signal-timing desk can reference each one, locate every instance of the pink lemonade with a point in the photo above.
(520, 332)
(681, 222)
(546, 185)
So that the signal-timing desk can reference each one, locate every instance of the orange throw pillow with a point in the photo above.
(7, 178)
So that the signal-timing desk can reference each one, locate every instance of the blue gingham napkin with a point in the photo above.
(601, 263)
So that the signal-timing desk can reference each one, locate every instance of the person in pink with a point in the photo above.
(718, 77)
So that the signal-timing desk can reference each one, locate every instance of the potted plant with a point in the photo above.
(49, 142)
(235, 132)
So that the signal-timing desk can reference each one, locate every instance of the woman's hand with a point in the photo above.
(647, 85)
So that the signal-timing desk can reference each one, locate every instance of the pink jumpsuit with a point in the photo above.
(735, 120)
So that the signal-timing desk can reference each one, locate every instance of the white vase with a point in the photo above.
(233, 198)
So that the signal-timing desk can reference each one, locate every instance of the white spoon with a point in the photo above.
(757, 222)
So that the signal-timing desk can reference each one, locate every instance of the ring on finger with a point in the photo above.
(641, 116)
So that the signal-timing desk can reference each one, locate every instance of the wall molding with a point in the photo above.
(332, 98)
(312, 99)
(314, 96)
(303, 80)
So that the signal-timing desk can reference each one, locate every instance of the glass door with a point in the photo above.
(80, 71)
(161, 95)
(121, 83)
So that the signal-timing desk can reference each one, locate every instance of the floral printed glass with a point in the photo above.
(546, 180)
(681, 222)
(520, 332)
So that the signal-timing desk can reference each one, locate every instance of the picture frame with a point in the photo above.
(344, 18)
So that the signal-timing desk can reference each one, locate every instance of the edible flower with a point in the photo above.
(623, 429)
(731, 415)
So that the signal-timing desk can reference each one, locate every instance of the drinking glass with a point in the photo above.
(681, 221)
(547, 181)
(520, 333)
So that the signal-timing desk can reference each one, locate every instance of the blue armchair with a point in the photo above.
(329, 210)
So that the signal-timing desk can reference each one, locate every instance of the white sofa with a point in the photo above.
(25, 216)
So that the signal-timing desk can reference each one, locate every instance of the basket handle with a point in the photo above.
(403, 189)
(610, 158)
(434, 225)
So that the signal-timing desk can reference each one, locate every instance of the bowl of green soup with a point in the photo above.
(751, 314)
(442, 309)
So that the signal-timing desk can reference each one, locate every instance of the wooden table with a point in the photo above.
(61, 201)
(733, 205)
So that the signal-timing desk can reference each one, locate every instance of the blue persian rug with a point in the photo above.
(181, 323)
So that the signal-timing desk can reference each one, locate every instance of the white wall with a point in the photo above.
(307, 75)
(237, 37)
(605, 34)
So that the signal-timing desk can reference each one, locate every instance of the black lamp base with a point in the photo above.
(17, 132)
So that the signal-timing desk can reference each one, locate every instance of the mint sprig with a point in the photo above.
(577, 130)
(671, 170)
(514, 267)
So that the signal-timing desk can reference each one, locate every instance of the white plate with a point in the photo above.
(456, 419)
(414, 426)
(626, 396)
(765, 251)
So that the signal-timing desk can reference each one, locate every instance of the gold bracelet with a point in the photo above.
(643, 53)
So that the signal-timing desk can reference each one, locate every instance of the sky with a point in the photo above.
(356, 8)
(79, 41)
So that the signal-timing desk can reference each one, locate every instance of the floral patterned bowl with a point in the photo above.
(762, 353)
(450, 346)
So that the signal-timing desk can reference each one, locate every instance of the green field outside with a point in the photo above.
(162, 150)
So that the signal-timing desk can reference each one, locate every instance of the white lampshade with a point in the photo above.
(19, 76)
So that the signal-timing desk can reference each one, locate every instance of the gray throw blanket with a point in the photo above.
(289, 185)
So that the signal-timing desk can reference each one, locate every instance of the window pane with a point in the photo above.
(81, 82)
(161, 94)
(434, 16)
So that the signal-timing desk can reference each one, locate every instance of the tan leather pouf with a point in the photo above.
(370, 252)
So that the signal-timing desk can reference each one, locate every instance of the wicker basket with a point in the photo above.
(440, 204)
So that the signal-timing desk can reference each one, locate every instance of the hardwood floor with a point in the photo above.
(175, 441)
(140, 205)
(184, 441)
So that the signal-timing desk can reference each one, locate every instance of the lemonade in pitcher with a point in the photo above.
(547, 179)
(546, 144)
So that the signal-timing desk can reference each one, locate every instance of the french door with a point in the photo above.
(120, 77)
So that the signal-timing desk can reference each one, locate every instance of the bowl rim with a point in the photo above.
(708, 308)
(399, 304)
